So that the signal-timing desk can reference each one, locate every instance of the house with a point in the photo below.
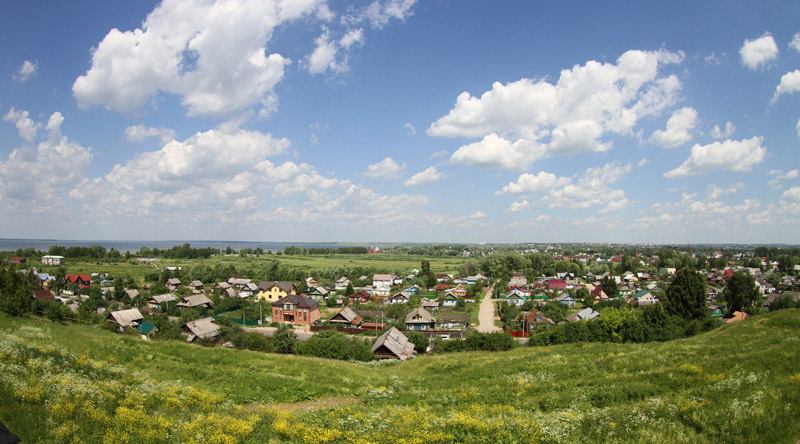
(311, 282)
(516, 299)
(737, 316)
(173, 283)
(147, 329)
(795, 295)
(247, 290)
(43, 295)
(587, 314)
(399, 298)
(518, 280)
(430, 304)
(382, 284)
(83, 280)
(17, 260)
(420, 320)
(557, 284)
(131, 293)
(520, 292)
(453, 321)
(535, 318)
(360, 297)
(238, 281)
(567, 300)
(130, 318)
(228, 293)
(53, 260)
(393, 345)
(161, 302)
(342, 283)
(715, 312)
(198, 300)
(203, 328)
(443, 277)
(297, 309)
(317, 293)
(196, 285)
(347, 317)
(472, 280)
(449, 299)
(644, 297)
(274, 291)
(459, 291)
(222, 285)
(412, 291)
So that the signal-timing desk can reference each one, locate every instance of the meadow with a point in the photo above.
(72, 383)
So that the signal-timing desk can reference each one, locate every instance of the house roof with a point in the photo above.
(737, 316)
(419, 316)
(196, 283)
(642, 293)
(146, 328)
(132, 293)
(203, 328)
(161, 298)
(285, 286)
(537, 317)
(297, 299)
(396, 343)
(77, 277)
(347, 314)
(399, 296)
(127, 318)
(173, 281)
(44, 295)
(194, 301)
(382, 277)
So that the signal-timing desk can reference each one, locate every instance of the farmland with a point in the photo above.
(72, 383)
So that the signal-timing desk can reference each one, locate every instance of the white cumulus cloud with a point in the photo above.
(529, 119)
(532, 183)
(715, 192)
(27, 128)
(137, 133)
(678, 127)
(729, 155)
(779, 176)
(795, 43)
(428, 175)
(790, 83)
(792, 194)
(324, 57)
(26, 71)
(758, 53)
(386, 168)
(723, 133)
(192, 49)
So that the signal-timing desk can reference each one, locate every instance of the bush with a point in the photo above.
(489, 341)
(419, 340)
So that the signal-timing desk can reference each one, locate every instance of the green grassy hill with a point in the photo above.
(737, 384)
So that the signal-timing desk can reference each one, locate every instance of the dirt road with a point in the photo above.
(486, 314)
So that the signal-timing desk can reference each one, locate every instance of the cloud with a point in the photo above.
(798, 127)
(137, 133)
(715, 192)
(518, 206)
(589, 190)
(190, 49)
(792, 194)
(719, 133)
(678, 126)
(795, 43)
(26, 71)
(313, 139)
(386, 169)
(758, 53)
(691, 213)
(411, 129)
(428, 175)
(730, 155)
(37, 173)
(533, 183)
(497, 153)
(642, 162)
(714, 59)
(379, 13)
(27, 128)
(530, 119)
(437, 154)
(324, 56)
(790, 83)
(779, 176)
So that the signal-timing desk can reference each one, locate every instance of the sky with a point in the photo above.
(401, 121)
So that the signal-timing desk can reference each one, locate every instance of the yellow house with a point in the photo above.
(274, 291)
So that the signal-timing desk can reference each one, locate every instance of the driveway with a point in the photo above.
(486, 314)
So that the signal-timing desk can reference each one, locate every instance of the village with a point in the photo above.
(386, 309)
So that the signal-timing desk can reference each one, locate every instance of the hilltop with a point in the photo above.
(69, 383)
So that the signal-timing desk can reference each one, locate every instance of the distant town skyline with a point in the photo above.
(401, 121)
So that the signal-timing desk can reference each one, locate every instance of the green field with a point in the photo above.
(736, 384)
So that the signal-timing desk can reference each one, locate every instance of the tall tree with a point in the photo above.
(686, 295)
(609, 286)
(740, 291)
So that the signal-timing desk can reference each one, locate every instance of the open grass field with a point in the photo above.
(736, 384)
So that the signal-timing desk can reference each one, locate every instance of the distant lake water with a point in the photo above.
(134, 246)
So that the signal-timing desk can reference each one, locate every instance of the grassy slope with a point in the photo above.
(740, 383)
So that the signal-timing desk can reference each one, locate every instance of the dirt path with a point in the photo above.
(486, 314)
(304, 406)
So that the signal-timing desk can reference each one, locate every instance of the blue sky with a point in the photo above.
(401, 120)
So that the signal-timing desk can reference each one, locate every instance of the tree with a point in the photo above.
(349, 290)
(419, 340)
(284, 338)
(609, 286)
(686, 295)
(426, 266)
(14, 293)
(740, 291)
